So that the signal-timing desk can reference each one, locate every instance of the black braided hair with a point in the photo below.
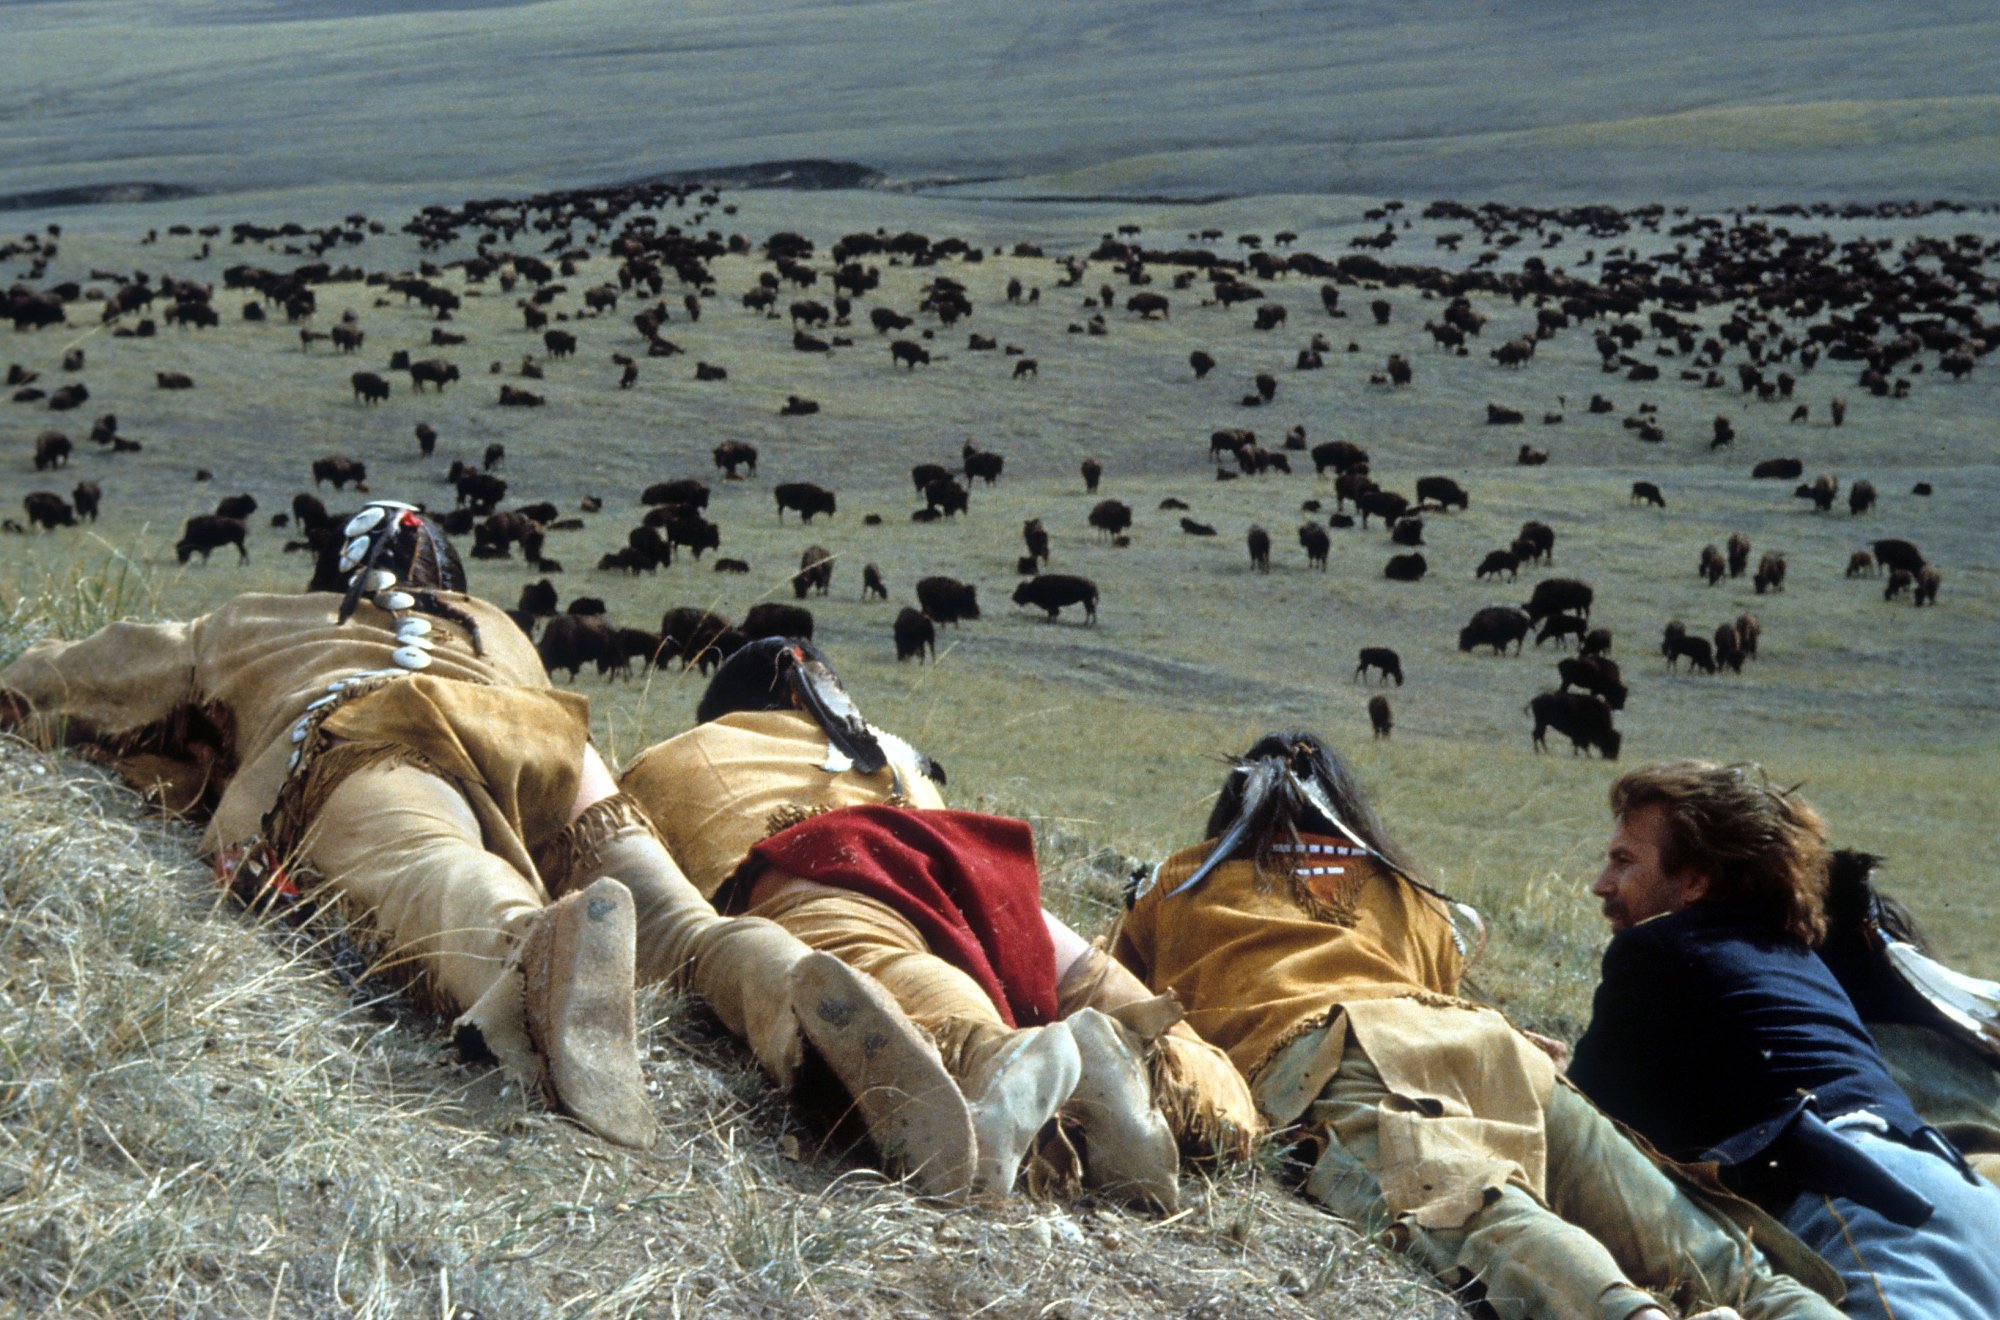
(753, 677)
(411, 546)
(1282, 814)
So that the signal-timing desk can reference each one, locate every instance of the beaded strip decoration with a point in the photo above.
(1334, 903)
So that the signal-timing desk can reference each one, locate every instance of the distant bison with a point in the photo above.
(1778, 469)
(1675, 645)
(1111, 517)
(1498, 562)
(437, 372)
(1380, 718)
(1496, 626)
(173, 380)
(1405, 568)
(805, 497)
(776, 619)
(1770, 574)
(1558, 595)
(1383, 659)
(340, 471)
(815, 575)
(52, 450)
(947, 600)
(1595, 674)
(1896, 553)
(206, 532)
(872, 585)
(1316, 543)
(48, 510)
(1259, 542)
(1578, 716)
(1053, 591)
(369, 387)
(1647, 493)
(915, 634)
(1441, 492)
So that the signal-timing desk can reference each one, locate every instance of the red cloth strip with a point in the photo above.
(966, 881)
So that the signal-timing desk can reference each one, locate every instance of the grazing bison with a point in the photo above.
(1770, 573)
(1595, 674)
(1387, 505)
(48, 510)
(1498, 562)
(1748, 630)
(1562, 627)
(1649, 493)
(1027, 366)
(1728, 648)
(805, 497)
(1259, 542)
(1407, 532)
(340, 471)
(1340, 455)
(1559, 595)
(1036, 538)
(1712, 565)
(945, 497)
(1193, 528)
(689, 492)
(239, 507)
(1316, 543)
(872, 586)
(87, 495)
(771, 618)
(709, 371)
(687, 528)
(369, 387)
(1380, 718)
(1778, 469)
(798, 406)
(732, 454)
(1383, 659)
(982, 464)
(1405, 568)
(1900, 581)
(915, 634)
(438, 372)
(1895, 553)
(1111, 517)
(206, 532)
(947, 600)
(1054, 591)
(1441, 493)
(1675, 643)
(1496, 626)
(909, 354)
(1929, 579)
(1201, 362)
(697, 636)
(815, 575)
(1539, 540)
(52, 450)
(1860, 498)
(1583, 719)
(1093, 472)
(1861, 564)
(571, 641)
(1739, 554)
(1821, 490)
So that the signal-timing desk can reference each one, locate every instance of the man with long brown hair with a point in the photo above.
(1720, 1035)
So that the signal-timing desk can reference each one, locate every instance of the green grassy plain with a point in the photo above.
(1109, 737)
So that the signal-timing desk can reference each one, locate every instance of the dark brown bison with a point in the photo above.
(512, 396)
(769, 618)
(1595, 674)
(1929, 579)
(173, 380)
(805, 497)
(1770, 574)
(1380, 717)
(689, 492)
(1201, 362)
(696, 636)
(1036, 537)
(1561, 627)
(1778, 469)
(1496, 626)
(915, 634)
(206, 532)
(1583, 719)
(48, 510)
(1054, 591)
(1648, 493)
(1895, 553)
(571, 641)
(1441, 493)
(435, 372)
(872, 586)
(709, 371)
(1821, 490)
(1093, 472)
(1259, 542)
(909, 354)
(1861, 564)
(732, 454)
(87, 496)
(1900, 581)
(982, 464)
(1739, 554)
(1559, 595)
(1728, 648)
(1316, 543)
(1027, 366)
(1499, 416)
(947, 600)
(340, 471)
(1383, 659)
(1539, 541)
(946, 496)
(52, 450)
(1675, 644)
(1498, 562)
(1713, 565)
(1111, 517)
(815, 575)
(1860, 498)
(1405, 568)
(369, 387)
(239, 507)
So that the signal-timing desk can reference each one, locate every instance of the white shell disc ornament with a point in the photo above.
(353, 553)
(411, 657)
(366, 520)
(411, 629)
(395, 600)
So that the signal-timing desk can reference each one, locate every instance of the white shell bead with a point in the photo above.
(366, 520)
(413, 628)
(293, 764)
(411, 657)
(380, 579)
(299, 730)
(395, 600)
(353, 553)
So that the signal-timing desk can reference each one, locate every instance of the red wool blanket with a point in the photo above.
(966, 881)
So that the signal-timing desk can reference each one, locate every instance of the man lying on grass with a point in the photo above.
(1304, 944)
(396, 759)
(784, 803)
(1719, 1035)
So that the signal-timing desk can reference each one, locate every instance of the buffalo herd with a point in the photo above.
(1744, 306)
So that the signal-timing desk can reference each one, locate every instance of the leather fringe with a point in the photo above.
(574, 857)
